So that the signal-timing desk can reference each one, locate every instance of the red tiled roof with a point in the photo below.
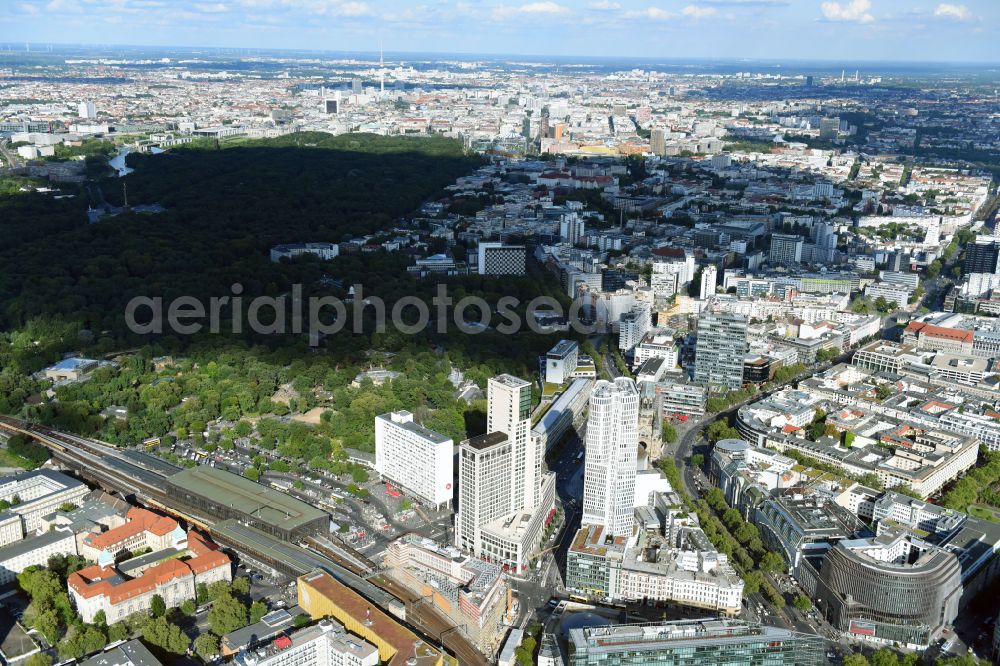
(923, 328)
(94, 580)
(139, 520)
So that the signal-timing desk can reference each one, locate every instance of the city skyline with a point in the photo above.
(845, 30)
(328, 347)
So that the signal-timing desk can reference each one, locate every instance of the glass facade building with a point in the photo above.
(693, 643)
(720, 348)
(890, 589)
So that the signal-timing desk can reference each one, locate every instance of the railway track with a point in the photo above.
(124, 471)
(99, 462)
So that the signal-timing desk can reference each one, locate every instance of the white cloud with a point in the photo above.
(650, 13)
(856, 11)
(352, 9)
(320, 7)
(956, 12)
(605, 5)
(28, 8)
(694, 11)
(211, 7)
(546, 7)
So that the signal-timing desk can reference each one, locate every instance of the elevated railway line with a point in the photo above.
(139, 474)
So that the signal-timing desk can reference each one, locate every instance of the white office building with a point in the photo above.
(504, 496)
(416, 459)
(87, 110)
(826, 242)
(895, 294)
(658, 343)
(671, 273)
(35, 551)
(721, 345)
(325, 644)
(634, 326)
(786, 249)
(561, 362)
(38, 493)
(709, 277)
(610, 456)
(572, 228)
(325, 251)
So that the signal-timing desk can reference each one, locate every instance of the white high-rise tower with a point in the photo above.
(709, 275)
(509, 411)
(504, 497)
(610, 459)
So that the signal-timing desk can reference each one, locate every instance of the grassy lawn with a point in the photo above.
(984, 512)
(8, 459)
(551, 389)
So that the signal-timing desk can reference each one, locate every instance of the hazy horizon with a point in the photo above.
(800, 30)
(40, 48)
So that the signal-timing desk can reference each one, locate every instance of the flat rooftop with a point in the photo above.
(407, 644)
(675, 635)
(404, 420)
(130, 653)
(490, 439)
(562, 348)
(511, 380)
(269, 626)
(254, 499)
(14, 643)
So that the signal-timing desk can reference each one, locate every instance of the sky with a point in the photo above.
(835, 30)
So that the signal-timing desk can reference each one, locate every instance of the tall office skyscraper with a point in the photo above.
(610, 459)
(826, 242)
(829, 128)
(657, 141)
(786, 249)
(634, 325)
(721, 345)
(509, 411)
(709, 275)
(419, 460)
(503, 495)
(87, 110)
(981, 255)
(572, 228)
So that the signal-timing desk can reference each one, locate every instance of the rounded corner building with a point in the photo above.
(892, 588)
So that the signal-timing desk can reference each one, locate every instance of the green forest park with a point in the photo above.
(67, 283)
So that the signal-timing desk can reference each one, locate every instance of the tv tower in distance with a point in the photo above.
(381, 69)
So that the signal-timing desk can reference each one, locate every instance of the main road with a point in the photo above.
(8, 156)
(693, 437)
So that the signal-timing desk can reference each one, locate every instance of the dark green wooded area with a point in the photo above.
(225, 209)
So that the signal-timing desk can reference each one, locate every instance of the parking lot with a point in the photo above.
(364, 516)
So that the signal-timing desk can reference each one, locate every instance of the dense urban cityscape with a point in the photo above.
(316, 358)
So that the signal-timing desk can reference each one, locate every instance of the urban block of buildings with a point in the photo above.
(505, 497)
(178, 564)
(472, 593)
